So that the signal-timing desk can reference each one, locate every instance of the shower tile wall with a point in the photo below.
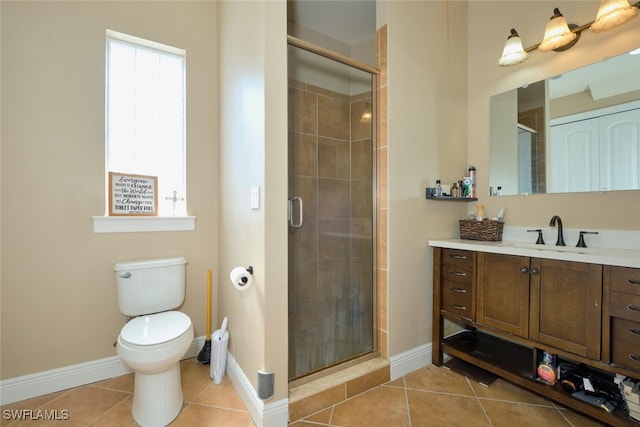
(331, 272)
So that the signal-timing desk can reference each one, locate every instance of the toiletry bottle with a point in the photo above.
(438, 188)
(499, 192)
(472, 175)
(454, 189)
(480, 212)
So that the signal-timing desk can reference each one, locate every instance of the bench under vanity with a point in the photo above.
(508, 303)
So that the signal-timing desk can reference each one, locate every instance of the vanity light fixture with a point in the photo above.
(559, 35)
(613, 13)
(513, 52)
(366, 113)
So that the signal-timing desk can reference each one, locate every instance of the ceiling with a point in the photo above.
(349, 21)
(609, 77)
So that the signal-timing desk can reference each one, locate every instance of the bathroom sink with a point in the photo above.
(553, 248)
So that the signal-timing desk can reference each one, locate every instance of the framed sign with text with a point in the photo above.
(133, 195)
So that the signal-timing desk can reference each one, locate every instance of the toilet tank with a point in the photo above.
(150, 286)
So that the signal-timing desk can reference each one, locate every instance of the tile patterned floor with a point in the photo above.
(430, 396)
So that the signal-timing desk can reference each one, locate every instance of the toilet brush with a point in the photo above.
(204, 356)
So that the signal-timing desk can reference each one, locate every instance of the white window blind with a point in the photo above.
(145, 131)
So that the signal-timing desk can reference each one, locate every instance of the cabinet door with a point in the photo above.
(503, 293)
(566, 301)
(620, 150)
(573, 156)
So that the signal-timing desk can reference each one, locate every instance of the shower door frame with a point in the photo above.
(375, 75)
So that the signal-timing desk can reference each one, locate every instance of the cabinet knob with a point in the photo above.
(524, 270)
(634, 331)
(460, 291)
(634, 357)
(633, 281)
(534, 271)
(633, 307)
(457, 307)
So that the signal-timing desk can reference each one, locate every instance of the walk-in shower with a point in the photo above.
(331, 210)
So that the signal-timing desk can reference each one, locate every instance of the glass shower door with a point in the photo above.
(331, 213)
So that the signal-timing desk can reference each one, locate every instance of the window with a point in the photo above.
(145, 116)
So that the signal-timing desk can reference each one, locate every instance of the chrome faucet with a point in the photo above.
(554, 219)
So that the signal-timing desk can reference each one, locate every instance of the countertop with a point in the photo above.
(598, 255)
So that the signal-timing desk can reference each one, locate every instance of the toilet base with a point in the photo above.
(157, 398)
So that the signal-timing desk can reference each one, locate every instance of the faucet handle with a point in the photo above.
(540, 240)
(581, 243)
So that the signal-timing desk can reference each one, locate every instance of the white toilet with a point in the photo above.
(154, 341)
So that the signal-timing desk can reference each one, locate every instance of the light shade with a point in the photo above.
(613, 13)
(513, 52)
(557, 33)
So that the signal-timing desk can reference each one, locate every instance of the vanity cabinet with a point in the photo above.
(622, 317)
(503, 310)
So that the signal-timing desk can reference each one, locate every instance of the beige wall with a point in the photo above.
(487, 32)
(58, 298)
(427, 140)
(59, 302)
(253, 152)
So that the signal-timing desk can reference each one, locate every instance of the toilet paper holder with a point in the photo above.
(250, 271)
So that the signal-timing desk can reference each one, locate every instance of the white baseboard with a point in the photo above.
(264, 414)
(45, 382)
(410, 360)
(270, 414)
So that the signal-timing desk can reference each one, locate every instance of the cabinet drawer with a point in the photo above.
(459, 300)
(457, 274)
(460, 291)
(625, 306)
(625, 279)
(624, 330)
(459, 258)
(457, 304)
(626, 354)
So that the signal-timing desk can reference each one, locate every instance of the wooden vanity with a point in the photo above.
(514, 302)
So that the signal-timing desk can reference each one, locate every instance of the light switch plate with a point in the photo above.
(255, 197)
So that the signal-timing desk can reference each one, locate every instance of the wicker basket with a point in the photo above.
(488, 230)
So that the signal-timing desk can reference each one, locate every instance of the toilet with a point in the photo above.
(156, 338)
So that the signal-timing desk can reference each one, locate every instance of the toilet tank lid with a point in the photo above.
(149, 263)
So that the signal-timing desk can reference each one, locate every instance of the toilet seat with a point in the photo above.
(155, 328)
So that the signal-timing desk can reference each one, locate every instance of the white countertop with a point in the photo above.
(594, 255)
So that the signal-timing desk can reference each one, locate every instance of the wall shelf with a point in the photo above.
(453, 199)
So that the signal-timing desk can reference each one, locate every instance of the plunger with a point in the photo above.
(204, 356)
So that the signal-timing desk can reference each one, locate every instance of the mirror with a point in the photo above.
(578, 131)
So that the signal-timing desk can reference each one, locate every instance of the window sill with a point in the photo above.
(133, 224)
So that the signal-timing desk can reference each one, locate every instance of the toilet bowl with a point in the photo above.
(152, 346)
(156, 338)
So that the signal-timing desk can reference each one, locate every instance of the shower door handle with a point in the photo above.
(300, 216)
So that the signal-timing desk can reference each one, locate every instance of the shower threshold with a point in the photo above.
(341, 383)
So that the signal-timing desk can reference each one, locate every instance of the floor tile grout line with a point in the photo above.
(478, 401)
(406, 399)
(216, 407)
(108, 388)
(561, 411)
(333, 408)
(446, 393)
(107, 411)
(539, 405)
